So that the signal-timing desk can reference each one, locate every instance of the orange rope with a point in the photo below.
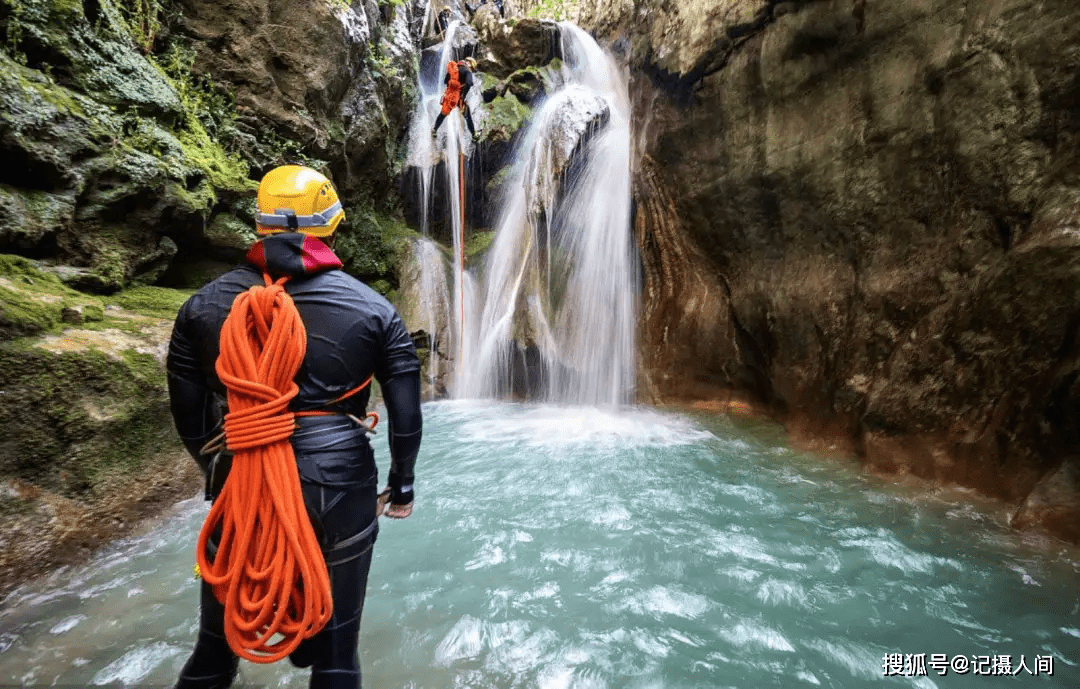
(269, 570)
(374, 416)
(461, 254)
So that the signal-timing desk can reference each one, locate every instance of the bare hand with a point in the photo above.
(399, 511)
(391, 510)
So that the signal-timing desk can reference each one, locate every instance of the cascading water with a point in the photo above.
(560, 283)
(426, 294)
(451, 146)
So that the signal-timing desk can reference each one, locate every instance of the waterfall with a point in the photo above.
(425, 303)
(451, 146)
(560, 281)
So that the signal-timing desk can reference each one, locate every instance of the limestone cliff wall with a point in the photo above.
(135, 131)
(865, 216)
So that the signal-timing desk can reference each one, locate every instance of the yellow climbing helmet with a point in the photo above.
(293, 198)
(471, 62)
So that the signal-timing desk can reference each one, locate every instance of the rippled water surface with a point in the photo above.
(575, 548)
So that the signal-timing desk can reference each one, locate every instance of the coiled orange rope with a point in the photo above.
(269, 570)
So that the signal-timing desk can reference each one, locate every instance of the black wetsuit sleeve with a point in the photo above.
(466, 81)
(402, 397)
(398, 372)
(194, 409)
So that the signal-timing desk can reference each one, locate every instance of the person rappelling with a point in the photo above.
(288, 344)
(458, 81)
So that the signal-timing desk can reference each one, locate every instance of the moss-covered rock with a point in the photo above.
(98, 54)
(476, 246)
(33, 302)
(88, 401)
(503, 118)
(114, 153)
(531, 83)
(229, 232)
(372, 245)
(30, 216)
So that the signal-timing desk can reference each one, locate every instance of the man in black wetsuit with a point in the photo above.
(352, 333)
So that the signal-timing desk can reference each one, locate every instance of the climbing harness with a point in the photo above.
(268, 569)
(361, 422)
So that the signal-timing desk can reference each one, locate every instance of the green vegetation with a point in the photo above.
(142, 17)
(477, 244)
(78, 379)
(33, 302)
(559, 10)
(372, 245)
(83, 415)
(205, 106)
(505, 115)
(159, 302)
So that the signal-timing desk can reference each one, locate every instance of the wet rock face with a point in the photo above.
(508, 46)
(870, 211)
(134, 132)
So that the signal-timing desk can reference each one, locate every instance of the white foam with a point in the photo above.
(884, 549)
(750, 634)
(776, 592)
(489, 556)
(464, 640)
(67, 624)
(515, 652)
(860, 661)
(566, 677)
(135, 665)
(559, 426)
(614, 517)
(662, 600)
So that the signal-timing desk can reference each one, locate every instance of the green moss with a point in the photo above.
(499, 178)
(161, 302)
(488, 81)
(82, 415)
(200, 200)
(61, 98)
(204, 105)
(225, 171)
(477, 244)
(228, 231)
(383, 287)
(144, 366)
(143, 21)
(506, 115)
(372, 245)
(32, 301)
(558, 10)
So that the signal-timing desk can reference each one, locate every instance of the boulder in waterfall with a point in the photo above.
(465, 44)
(510, 47)
(572, 115)
(1054, 504)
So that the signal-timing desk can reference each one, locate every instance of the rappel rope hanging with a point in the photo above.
(269, 570)
(461, 251)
